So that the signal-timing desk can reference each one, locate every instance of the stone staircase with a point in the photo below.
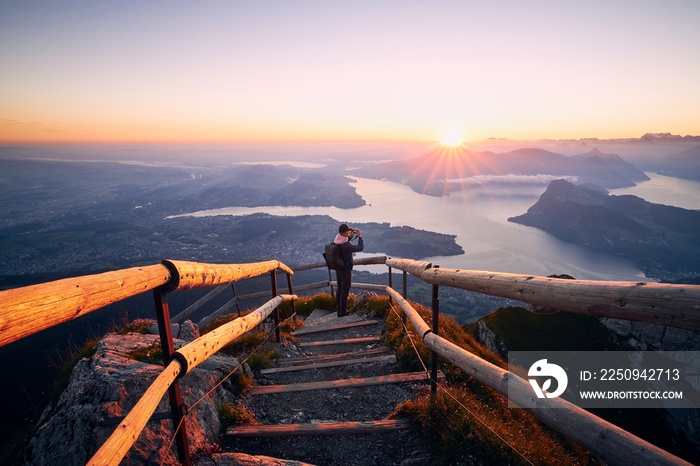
(328, 405)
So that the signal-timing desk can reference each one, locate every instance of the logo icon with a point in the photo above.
(542, 368)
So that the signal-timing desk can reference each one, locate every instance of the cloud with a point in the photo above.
(33, 125)
(541, 179)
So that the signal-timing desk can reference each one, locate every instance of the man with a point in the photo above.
(344, 276)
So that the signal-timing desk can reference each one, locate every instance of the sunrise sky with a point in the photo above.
(263, 70)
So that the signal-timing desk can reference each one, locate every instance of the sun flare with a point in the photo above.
(451, 137)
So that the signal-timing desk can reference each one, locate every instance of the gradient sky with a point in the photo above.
(361, 70)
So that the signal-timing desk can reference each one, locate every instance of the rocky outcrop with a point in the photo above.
(643, 336)
(663, 240)
(108, 385)
(489, 338)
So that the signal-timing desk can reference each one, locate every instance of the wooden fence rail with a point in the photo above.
(657, 303)
(30, 309)
(374, 260)
(185, 359)
(192, 275)
(199, 303)
(612, 444)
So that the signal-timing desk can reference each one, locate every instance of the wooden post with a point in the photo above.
(273, 280)
(233, 288)
(330, 284)
(390, 284)
(291, 291)
(405, 285)
(404, 294)
(434, 362)
(174, 394)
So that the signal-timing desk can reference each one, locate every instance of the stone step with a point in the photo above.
(322, 365)
(321, 428)
(329, 357)
(341, 383)
(330, 328)
(340, 342)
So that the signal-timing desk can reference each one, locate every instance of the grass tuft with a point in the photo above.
(137, 326)
(305, 305)
(151, 354)
(235, 415)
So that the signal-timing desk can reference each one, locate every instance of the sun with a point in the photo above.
(451, 137)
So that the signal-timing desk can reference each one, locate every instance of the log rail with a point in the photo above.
(30, 309)
(656, 303)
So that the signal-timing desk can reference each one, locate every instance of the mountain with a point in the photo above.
(685, 164)
(620, 166)
(663, 240)
(445, 170)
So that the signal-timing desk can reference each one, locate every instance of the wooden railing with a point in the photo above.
(237, 299)
(184, 360)
(677, 305)
(34, 308)
(657, 303)
(31, 309)
(613, 445)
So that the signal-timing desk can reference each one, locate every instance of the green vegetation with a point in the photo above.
(248, 347)
(137, 326)
(449, 329)
(235, 415)
(305, 305)
(522, 330)
(151, 354)
(66, 369)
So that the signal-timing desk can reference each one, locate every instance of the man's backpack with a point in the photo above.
(333, 257)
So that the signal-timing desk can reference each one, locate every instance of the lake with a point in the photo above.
(478, 219)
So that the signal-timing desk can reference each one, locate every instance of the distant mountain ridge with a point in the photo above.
(663, 240)
(445, 170)
(685, 164)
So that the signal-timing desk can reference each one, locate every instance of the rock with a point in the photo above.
(644, 336)
(489, 339)
(108, 385)
(174, 328)
(188, 331)
(362, 299)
